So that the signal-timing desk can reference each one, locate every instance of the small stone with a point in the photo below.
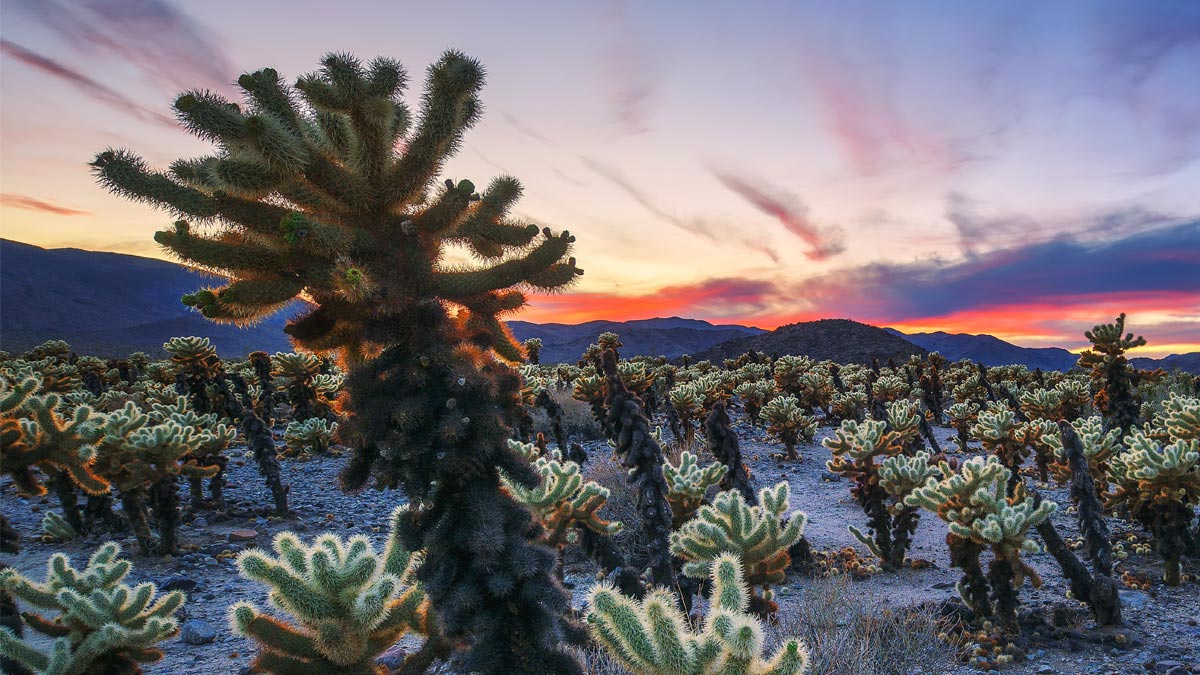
(179, 584)
(197, 632)
(393, 658)
(1046, 669)
(1134, 599)
(243, 535)
(200, 523)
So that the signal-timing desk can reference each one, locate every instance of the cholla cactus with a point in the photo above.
(1003, 436)
(103, 625)
(1042, 404)
(1044, 437)
(904, 423)
(55, 528)
(143, 458)
(754, 395)
(788, 422)
(687, 400)
(297, 373)
(562, 500)
(787, 371)
(590, 389)
(756, 534)
(651, 636)
(816, 388)
(346, 602)
(856, 447)
(328, 190)
(1179, 419)
(312, 436)
(1073, 395)
(1113, 379)
(1099, 447)
(687, 484)
(849, 405)
(34, 433)
(533, 350)
(974, 502)
(1161, 486)
(50, 349)
(890, 388)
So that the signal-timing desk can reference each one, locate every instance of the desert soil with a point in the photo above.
(1160, 632)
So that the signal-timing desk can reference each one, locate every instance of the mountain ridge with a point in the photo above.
(109, 304)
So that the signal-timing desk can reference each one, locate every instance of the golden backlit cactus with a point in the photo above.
(975, 502)
(1161, 486)
(344, 603)
(652, 637)
(102, 626)
(788, 422)
(687, 483)
(562, 500)
(758, 535)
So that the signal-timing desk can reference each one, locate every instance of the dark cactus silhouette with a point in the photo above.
(326, 189)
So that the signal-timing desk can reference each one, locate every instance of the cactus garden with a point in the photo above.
(413, 489)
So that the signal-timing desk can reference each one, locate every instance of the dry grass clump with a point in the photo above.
(621, 505)
(847, 633)
(577, 421)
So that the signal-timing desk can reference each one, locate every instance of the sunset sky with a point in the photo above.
(1025, 169)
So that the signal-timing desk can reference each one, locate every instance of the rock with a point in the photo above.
(830, 476)
(200, 523)
(1046, 669)
(243, 535)
(1135, 599)
(179, 584)
(393, 658)
(197, 632)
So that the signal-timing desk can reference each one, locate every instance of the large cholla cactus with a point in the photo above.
(849, 405)
(880, 486)
(298, 373)
(975, 503)
(787, 371)
(788, 422)
(687, 400)
(328, 190)
(652, 637)
(758, 535)
(1113, 379)
(687, 483)
(562, 499)
(346, 602)
(103, 625)
(1161, 486)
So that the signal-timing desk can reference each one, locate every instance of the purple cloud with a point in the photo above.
(87, 85)
(792, 213)
(152, 35)
(34, 204)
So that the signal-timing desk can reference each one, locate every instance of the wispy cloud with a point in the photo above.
(630, 70)
(85, 84)
(34, 204)
(526, 130)
(790, 211)
(699, 226)
(152, 35)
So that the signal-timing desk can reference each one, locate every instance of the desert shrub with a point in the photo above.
(577, 420)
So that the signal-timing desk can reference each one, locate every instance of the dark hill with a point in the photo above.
(668, 337)
(990, 350)
(838, 340)
(110, 304)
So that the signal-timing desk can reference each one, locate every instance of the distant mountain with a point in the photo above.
(670, 337)
(1188, 363)
(989, 350)
(839, 340)
(110, 304)
(992, 351)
